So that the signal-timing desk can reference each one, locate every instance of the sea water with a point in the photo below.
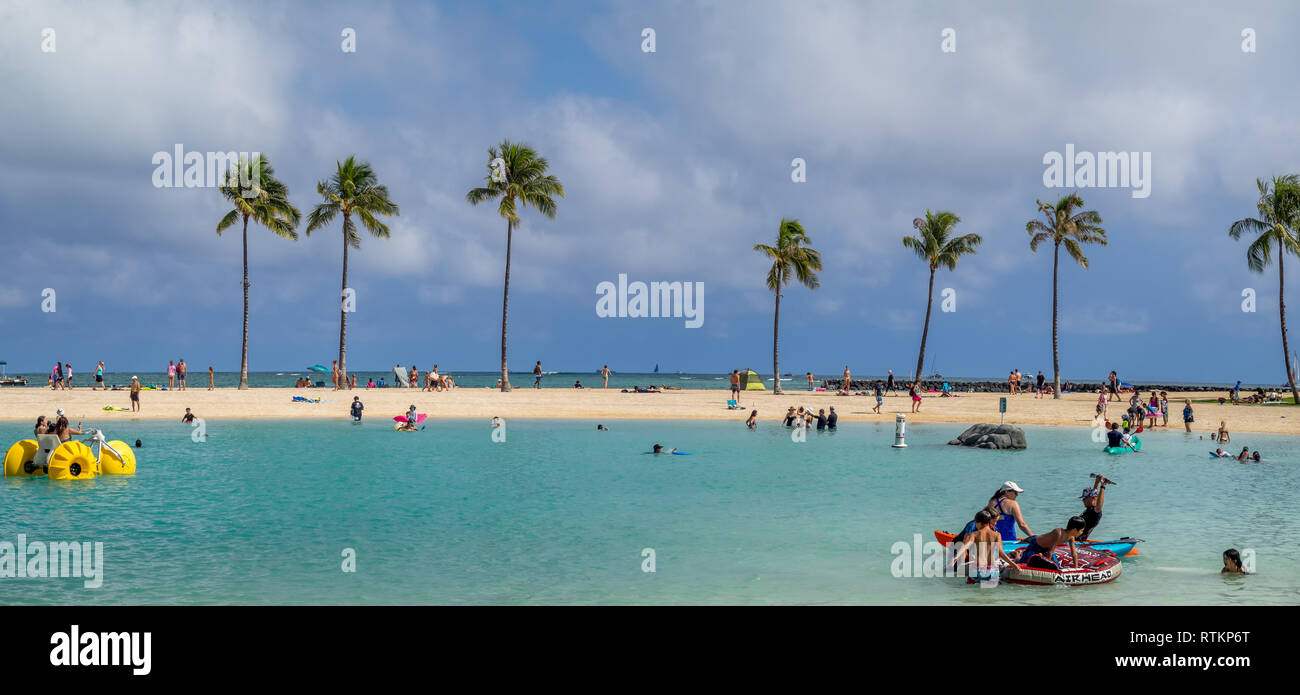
(270, 511)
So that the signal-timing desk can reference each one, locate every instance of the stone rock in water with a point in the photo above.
(991, 437)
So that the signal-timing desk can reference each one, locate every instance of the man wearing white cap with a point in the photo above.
(1004, 505)
(135, 394)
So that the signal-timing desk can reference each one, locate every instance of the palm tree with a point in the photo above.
(936, 245)
(791, 258)
(1064, 227)
(255, 194)
(1279, 218)
(352, 190)
(516, 175)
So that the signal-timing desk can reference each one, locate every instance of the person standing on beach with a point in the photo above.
(171, 375)
(1113, 382)
(1040, 387)
(914, 392)
(56, 376)
(135, 394)
(889, 383)
(182, 374)
(211, 381)
(67, 375)
(604, 376)
(99, 377)
(845, 387)
(1187, 414)
(334, 375)
(1101, 403)
(735, 385)
(880, 397)
(537, 375)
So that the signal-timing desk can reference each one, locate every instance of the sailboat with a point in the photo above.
(936, 374)
(656, 369)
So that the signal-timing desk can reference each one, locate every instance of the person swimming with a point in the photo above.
(1232, 562)
(659, 449)
(1255, 457)
(1244, 455)
(753, 417)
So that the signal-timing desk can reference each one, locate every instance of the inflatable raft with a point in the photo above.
(1122, 547)
(1095, 567)
(1137, 446)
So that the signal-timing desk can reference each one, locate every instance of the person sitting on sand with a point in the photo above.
(1093, 499)
(1007, 510)
(1232, 562)
(988, 548)
(752, 422)
(577, 384)
(1038, 549)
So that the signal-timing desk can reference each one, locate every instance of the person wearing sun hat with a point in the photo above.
(1003, 504)
(135, 394)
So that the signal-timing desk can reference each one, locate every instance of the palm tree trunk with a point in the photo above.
(1056, 353)
(776, 326)
(925, 332)
(1281, 309)
(343, 314)
(243, 356)
(505, 308)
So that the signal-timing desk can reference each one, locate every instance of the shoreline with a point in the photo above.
(1073, 410)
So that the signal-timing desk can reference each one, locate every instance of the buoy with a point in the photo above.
(900, 423)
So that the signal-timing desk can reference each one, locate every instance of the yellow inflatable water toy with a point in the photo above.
(116, 458)
(70, 460)
(73, 461)
(20, 460)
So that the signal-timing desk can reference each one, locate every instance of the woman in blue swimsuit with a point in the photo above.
(1004, 505)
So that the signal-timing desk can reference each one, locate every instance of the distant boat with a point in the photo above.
(6, 380)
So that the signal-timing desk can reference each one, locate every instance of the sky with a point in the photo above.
(675, 163)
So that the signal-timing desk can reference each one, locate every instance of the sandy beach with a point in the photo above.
(598, 404)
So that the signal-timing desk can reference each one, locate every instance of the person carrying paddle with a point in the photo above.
(1093, 499)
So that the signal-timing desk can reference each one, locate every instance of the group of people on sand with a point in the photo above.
(60, 377)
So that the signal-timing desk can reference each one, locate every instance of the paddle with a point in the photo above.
(1108, 480)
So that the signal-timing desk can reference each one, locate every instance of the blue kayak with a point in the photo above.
(1121, 546)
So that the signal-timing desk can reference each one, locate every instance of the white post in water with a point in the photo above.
(900, 423)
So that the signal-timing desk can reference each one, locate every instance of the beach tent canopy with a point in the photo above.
(749, 381)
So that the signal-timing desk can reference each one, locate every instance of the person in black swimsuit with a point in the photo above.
(1093, 499)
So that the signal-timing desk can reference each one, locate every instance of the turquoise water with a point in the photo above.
(560, 513)
(198, 379)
